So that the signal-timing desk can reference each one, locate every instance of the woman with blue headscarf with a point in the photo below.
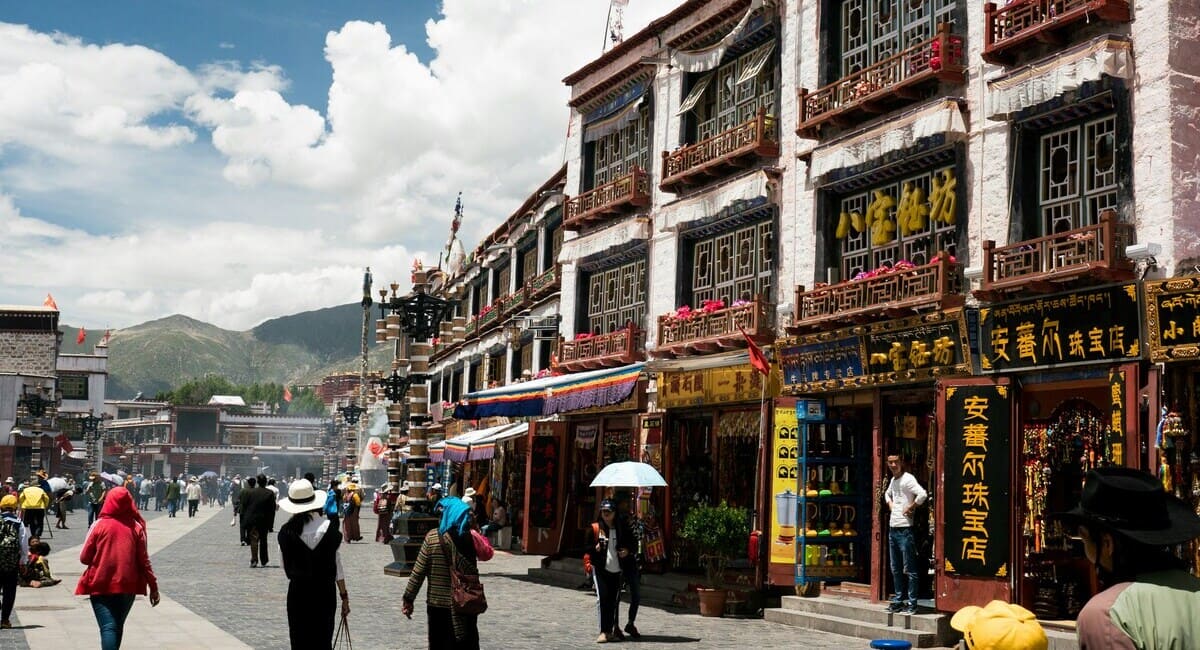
(447, 628)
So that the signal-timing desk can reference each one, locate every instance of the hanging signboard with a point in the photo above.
(978, 494)
(1173, 319)
(811, 366)
(1085, 326)
(543, 482)
(740, 383)
(918, 348)
(1116, 429)
(784, 486)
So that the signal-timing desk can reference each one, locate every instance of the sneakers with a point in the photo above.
(617, 635)
(910, 610)
(603, 638)
(894, 607)
(5, 625)
(254, 565)
(632, 631)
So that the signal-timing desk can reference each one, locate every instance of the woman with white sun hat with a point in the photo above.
(308, 546)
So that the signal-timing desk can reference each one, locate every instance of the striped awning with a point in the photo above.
(485, 448)
(458, 447)
(552, 395)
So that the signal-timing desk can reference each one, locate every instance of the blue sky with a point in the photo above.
(238, 161)
(288, 33)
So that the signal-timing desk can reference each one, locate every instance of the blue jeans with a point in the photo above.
(902, 551)
(93, 512)
(111, 611)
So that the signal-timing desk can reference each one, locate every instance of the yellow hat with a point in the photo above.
(999, 626)
(9, 502)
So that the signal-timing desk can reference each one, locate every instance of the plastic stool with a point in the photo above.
(891, 644)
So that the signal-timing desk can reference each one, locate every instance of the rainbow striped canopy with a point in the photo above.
(552, 395)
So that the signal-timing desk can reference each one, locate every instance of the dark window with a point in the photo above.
(496, 371)
(435, 391)
(733, 93)
(545, 349)
(733, 265)
(1077, 174)
(615, 155)
(615, 297)
(478, 379)
(476, 298)
(554, 240)
(911, 218)
(73, 386)
(502, 277)
(456, 391)
(872, 31)
(526, 265)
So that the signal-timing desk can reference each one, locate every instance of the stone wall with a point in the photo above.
(29, 353)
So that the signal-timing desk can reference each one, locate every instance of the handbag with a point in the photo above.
(483, 548)
(466, 590)
(341, 640)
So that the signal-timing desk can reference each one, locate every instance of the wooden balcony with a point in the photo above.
(933, 286)
(618, 348)
(697, 164)
(619, 197)
(900, 79)
(1092, 254)
(704, 333)
(544, 284)
(1020, 23)
(512, 302)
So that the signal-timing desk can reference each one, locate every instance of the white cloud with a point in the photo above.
(161, 189)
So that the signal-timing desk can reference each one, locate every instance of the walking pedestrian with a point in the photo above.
(352, 504)
(182, 492)
(1129, 526)
(259, 505)
(631, 575)
(610, 552)
(308, 552)
(33, 502)
(14, 553)
(451, 540)
(144, 491)
(118, 566)
(95, 496)
(235, 497)
(385, 503)
(194, 492)
(172, 496)
(903, 496)
(61, 498)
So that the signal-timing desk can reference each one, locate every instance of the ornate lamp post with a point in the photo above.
(90, 426)
(35, 408)
(122, 458)
(350, 415)
(409, 321)
(187, 457)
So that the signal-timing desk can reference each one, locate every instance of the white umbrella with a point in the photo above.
(115, 479)
(628, 474)
(57, 483)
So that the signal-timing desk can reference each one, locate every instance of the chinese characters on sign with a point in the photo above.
(919, 347)
(740, 383)
(1173, 319)
(543, 482)
(1116, 432)
(1081, 327)
(977, 493)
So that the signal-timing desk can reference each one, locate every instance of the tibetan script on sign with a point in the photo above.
(1173, 319)
(1086, 326)
(831, 361)
(977, 494)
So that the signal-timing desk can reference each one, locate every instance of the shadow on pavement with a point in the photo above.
(660, 638)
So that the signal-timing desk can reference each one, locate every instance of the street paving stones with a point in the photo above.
(212, 598)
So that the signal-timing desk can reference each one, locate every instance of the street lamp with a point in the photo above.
(33, 407)
(187, 457)
(350, 415)
(90, 426)
(122, 458)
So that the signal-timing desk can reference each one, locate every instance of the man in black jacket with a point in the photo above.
(258, 504)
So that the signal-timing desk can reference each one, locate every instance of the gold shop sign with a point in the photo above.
(1173, 319)
(679, 389)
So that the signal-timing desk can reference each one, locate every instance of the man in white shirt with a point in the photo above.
(903, 495)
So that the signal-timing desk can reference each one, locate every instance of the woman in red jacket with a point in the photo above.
(118, 566)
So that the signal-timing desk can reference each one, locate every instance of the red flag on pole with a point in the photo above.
(49, 302)
(64, 444)
(81, 337)
(287, 394)
(757, 358)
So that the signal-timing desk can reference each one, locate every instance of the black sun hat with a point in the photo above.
(1132, 503)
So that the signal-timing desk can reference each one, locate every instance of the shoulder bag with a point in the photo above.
(465, 588)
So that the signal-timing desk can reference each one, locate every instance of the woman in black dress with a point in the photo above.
(308, 545)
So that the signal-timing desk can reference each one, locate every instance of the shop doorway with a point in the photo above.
(910, 431)
(1056, 452)
(690, 477)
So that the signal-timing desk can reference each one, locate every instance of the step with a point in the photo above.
(849, 627)
(869, 612)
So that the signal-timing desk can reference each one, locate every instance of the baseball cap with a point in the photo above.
(999, 626)
(607, 504)
(9, 502)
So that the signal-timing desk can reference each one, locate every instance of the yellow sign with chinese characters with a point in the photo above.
(714, 386)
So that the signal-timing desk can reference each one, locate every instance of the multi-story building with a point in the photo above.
(29, 345)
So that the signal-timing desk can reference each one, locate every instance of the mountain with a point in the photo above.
(161, 354)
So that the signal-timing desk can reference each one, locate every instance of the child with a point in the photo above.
(37, 570)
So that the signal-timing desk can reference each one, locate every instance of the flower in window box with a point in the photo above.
(710, 306)
(582, 336)
(740, 303)
(684, 313)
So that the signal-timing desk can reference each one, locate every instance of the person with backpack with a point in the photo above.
(611, 552)
(14, 552)
(33, 502)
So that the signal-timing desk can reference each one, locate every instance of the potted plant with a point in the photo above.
(718, 533)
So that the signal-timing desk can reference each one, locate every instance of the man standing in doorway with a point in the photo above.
(903, 496)
(259, 503)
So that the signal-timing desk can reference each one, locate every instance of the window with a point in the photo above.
(476, 298)
(73, 386)
(527, 265)
(554, 241)
(496, 371)
(1077, 174)
(616, 154)
(872, 31)
(435, 391)
(503, 279)
(733, 265)
(615, 297)
(736, 90)
(478, 379)
(871, 231)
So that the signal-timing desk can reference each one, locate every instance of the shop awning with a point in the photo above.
(552, 395)
(707, 58)
(485, 448)
(458, 447)
(1065, 71)
(437, 451)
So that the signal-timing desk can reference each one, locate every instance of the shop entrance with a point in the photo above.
(909, 425)
(1056, 451)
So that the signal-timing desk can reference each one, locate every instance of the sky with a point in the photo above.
(236, 161)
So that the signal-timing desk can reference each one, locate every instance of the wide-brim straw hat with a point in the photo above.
(302, 498)
(1131, 503)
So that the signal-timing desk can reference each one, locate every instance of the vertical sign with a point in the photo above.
(1116, 430)
(784, 486)
(543, 482)
(977, 491)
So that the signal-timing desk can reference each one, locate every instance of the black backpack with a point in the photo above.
(10, 546)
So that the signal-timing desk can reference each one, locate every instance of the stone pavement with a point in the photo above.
(212, 599)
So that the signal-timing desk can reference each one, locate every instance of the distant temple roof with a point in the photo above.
(227, 400)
